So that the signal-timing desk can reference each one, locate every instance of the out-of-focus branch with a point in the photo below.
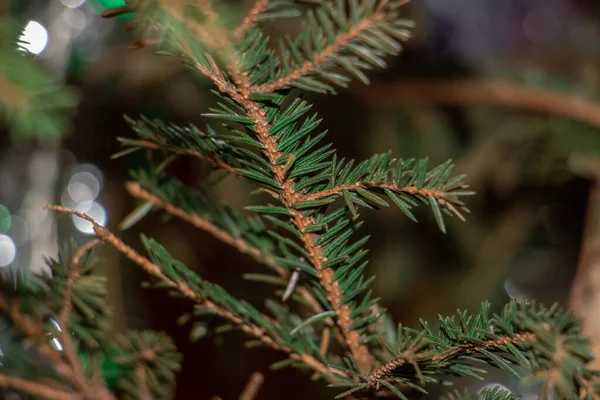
(35, 388)
(473, 93)
(251, 18)
(585, 293)
(142, 381)
(253, 386)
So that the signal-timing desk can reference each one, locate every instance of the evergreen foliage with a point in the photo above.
(32, 102)
(305, 233)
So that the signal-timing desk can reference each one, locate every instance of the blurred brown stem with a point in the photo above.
(253, 386)
(585, 294)
(473, 93)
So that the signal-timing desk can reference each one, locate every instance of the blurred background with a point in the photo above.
(506, 88)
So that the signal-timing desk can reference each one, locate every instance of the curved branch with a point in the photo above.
(73, 275)
(472, 93)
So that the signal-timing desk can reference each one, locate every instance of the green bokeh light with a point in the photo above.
(5, 219)
(110, 3)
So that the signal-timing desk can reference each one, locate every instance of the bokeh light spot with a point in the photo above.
(72, 3)
(8, 250)
(36, 37)
(96, 212)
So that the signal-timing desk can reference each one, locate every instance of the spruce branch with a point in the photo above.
(256, 118)
(302, 222)
(149, 362)
(365, 33)
(545, 342)
(443, 198)
(137, 191)
(308, 66)
(261, 334)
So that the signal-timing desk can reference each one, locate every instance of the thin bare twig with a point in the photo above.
(470, 93)
(253, 386)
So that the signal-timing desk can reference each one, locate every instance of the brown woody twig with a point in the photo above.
(253, 386)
